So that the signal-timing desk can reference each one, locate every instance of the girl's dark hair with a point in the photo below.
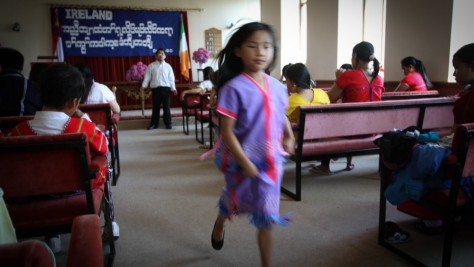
(365, 53)
(59, 84)
(36, 71)
(229, 64)
(88, 78)
(347, 66)
(465, 54)
(419, 67)
(207, 73)
(299, 74)
(284, 69)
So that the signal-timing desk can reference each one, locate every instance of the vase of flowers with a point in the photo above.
(136, 72)
(201, 56)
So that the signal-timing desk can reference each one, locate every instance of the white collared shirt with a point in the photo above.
(50, 122)
(159, 74)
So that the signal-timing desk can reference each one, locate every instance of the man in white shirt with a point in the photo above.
(160, 78)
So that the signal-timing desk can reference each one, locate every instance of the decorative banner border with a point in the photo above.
(112, 32)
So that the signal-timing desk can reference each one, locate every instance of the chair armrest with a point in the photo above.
(28, 253)
(97, 162)
(450, 160)
(115, 117)
(85, 247)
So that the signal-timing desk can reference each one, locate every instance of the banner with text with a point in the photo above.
(103, 32)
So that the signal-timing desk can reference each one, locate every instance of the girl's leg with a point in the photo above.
(265, 244)
(349, 165)
(218, 232)
(324, 167)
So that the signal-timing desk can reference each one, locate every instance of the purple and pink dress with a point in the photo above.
(260, 121)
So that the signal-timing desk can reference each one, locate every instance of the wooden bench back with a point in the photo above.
(99, 113)
(340, 120)
(409, 95)
(44, 164)
(7, 123)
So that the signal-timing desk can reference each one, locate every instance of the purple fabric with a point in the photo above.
(260, 119)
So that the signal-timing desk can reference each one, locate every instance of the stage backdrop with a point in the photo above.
(102, 32)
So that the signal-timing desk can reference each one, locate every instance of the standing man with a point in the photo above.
(159, 75)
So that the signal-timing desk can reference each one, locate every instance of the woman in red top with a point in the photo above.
(358, 85)
(361, 84)
(416, 78)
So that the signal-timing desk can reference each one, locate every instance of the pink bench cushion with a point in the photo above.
(334, 146)
(47, 211)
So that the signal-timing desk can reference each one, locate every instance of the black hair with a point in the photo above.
(36, 71)
(419, 67)
(160, 49)
(229, 64)
(465, 54)
(88, 79)
(60, 84)
(346, 66)
(365, 52)
(207, 73)
(11, 59)
(215, 77)
(284, 69)
(300, 75)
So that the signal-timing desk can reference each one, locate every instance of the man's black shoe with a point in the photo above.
(169, 127)
(151, 127)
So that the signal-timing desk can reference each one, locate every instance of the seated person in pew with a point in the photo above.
(203, 87)
(18, 95)
(415, 78)
(358, 85)
(346, 67)
(36, 70)
(97, 93)
(61, 88)
(298, 82)
(463, 63)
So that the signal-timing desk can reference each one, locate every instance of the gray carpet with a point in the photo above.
(165, 203)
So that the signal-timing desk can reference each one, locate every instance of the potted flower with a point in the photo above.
(136, 72)
(201, 56)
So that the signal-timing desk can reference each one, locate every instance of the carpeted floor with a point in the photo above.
(165, 203)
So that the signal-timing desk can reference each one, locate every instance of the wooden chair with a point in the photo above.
(436, 204)
(101, 114)
(7, 123)
(202, 115)
(189, 106)
(42, 165)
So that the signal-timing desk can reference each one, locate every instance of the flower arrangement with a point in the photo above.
(201, 55)
(136, 72)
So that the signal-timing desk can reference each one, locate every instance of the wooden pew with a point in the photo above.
(443, 204)
(409, 95)
(101, 114)
(7, 123)
(369, 118)
(56, 164)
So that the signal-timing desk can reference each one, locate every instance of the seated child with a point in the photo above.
(298, 82)
(203, 87)
(61, 88)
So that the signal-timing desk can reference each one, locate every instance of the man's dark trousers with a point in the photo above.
(161, 96)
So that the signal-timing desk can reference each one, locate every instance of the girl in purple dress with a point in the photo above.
(255, 134)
